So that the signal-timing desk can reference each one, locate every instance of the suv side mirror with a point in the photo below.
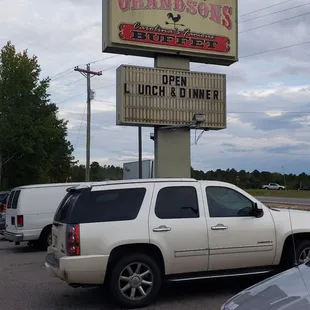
(256, 211)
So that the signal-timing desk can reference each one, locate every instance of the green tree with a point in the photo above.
(248, 180)
(33, 141)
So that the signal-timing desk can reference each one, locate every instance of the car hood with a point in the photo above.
(289, 290)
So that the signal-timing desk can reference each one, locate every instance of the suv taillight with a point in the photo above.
(73, 240)
(20, 220)
(3, 208)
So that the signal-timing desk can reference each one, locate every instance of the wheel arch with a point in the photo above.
(144, 248)
(291, 241)
(44, 230)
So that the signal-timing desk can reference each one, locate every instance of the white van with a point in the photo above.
(30, 212)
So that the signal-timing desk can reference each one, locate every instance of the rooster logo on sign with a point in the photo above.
(175, 20)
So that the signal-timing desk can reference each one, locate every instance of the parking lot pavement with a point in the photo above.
(25, 285)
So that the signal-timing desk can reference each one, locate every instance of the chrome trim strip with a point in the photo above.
(242, 247)
(191, 252)
(220, 276)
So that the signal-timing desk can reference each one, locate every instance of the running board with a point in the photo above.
(213, 275)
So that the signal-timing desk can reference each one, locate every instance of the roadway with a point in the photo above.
(25, 285)
(284, 200)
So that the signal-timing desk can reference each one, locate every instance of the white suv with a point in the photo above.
(133, 235)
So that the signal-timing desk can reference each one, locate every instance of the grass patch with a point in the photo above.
(277, 193)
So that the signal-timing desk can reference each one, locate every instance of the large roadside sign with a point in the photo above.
(165, 97)
(203, 31)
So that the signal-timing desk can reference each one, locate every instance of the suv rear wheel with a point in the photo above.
(135, 281)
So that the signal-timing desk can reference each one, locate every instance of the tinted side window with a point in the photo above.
(62, 213)
(9, 206)
(3, 197)
(177, 202)
(226, 202)
(108, 206)
(15, 199)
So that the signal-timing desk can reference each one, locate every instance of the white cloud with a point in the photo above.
(268, 93)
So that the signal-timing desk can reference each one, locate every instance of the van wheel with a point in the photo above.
(135, 281)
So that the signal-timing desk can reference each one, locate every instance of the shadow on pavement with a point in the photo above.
(98, 298)
(10, 247)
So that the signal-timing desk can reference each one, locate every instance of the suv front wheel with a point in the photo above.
(135, 281)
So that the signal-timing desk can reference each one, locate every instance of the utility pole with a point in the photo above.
(88, 74)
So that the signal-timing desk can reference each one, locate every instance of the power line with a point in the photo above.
(245, 56)
(60, 73)
(62, 86)
(267, 7)
(65, 72)
(275, 49)
(79, 132)
(279, 21)
(102, 59)
(107, 69)
(237, 112)
(294, 7)
(263, 112)
(70, 98)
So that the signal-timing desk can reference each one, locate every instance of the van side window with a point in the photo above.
(15, 199)
(177, 202)
(9, 205)
(226, 202)
(109, 206)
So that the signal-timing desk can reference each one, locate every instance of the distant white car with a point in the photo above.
(273, 186)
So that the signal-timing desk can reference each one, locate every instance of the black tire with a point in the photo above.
(45, 239)
(301, 247)
(289, 260)
(115, 284)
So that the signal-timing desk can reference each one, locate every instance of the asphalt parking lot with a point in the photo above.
(24, 284)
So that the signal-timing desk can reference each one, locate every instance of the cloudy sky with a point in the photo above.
(268, 89)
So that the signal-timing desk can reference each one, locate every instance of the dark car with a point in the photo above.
(289, 290)
(3, 198)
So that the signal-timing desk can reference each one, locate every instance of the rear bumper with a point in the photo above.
(16, 237)
(84, 269)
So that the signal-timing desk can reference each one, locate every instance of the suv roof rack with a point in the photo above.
(154, 180)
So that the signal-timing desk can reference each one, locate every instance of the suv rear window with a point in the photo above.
(101, 206)
(62, 213)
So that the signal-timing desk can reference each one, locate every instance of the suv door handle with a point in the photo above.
(219, 227)
(162, 228)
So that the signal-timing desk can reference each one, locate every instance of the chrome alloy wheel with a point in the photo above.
(304, 256)
(136, 281)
